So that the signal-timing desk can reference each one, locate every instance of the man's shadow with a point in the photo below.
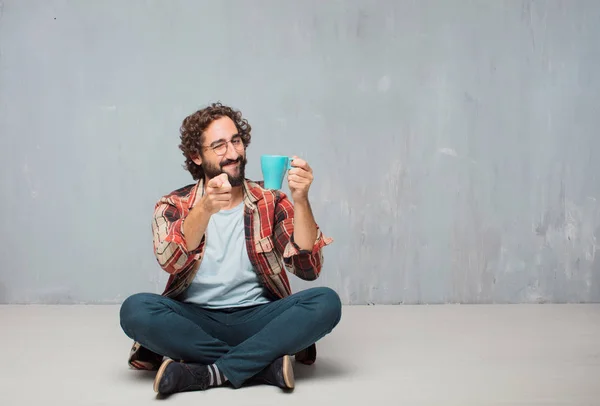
(141, 375)
(323, 368)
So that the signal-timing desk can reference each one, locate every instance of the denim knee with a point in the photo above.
(135, 313)
(330, 305)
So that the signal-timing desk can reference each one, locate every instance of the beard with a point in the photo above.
(210, 171)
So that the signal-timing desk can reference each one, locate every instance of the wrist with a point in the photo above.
(203, 207)
(200, 211)
(301, 200)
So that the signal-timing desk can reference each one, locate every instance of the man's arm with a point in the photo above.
(178, 239)
(305, 227)
(170, 245)
(194, 226)
(304, 261)
(218, 195)
(297, 236)
(300, 178)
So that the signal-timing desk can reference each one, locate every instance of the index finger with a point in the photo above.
(300, 163)
(217, 181)
(214, 183)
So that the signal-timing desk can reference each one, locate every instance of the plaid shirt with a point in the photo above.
(269, 231)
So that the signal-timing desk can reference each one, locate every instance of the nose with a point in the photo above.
(231, 153)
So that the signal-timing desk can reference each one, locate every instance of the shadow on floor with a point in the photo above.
(135, 375)
(322, 369)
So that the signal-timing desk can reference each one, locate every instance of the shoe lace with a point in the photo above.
(200, 374)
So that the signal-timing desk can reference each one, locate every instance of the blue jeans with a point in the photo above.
(240, 341)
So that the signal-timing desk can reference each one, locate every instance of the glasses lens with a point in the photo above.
(220, 149)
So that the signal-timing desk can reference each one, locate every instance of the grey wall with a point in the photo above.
(455, 143)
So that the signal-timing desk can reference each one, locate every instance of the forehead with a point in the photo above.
(221, 129)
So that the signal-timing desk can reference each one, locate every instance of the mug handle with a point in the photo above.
(289, 165)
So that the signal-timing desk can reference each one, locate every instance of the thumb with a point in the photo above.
(215, 182)
(224, 179)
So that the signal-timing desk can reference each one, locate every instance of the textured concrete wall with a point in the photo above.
(455, 143)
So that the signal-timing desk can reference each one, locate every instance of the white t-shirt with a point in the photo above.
(226, 277)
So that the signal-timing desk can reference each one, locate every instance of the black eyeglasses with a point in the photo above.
(220, 147)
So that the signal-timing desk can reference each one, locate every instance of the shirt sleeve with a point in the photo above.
(306, 264)
(169, 242)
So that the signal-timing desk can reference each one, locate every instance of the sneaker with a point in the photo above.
(142, 358)
(308, 355)
(279, 373)
(175, 377)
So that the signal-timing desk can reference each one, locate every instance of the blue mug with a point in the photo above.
(274, 168)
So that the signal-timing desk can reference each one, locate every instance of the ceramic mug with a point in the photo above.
(274, 168)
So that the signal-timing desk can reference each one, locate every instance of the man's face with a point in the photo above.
(223, 152)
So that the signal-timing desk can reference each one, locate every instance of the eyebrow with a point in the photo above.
(212, 144)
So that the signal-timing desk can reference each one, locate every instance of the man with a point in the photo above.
(227, 313)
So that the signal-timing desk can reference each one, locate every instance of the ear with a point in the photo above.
(197, 160)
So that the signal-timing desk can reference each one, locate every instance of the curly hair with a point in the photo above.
(193, 127)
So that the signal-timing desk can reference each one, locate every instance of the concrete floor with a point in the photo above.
(401, 355)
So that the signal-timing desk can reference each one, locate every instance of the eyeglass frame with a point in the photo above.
(221, 143)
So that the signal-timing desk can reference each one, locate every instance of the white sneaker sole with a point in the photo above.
(288, 372)
(160, 373)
